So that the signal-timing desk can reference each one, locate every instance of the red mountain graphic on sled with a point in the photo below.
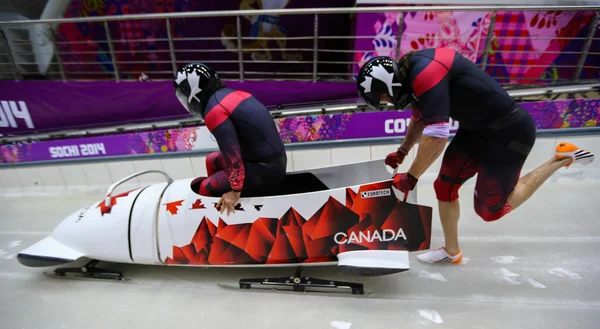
(293, 239)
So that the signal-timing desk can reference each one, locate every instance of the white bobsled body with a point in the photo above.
(349, 215)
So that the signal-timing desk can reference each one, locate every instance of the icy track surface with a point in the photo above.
(536, 268)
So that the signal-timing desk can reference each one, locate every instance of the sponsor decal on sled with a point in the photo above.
(361, 237)
(375, 193)
(81, 213)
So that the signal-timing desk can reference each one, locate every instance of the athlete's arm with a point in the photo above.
(435, 132)
(413, 132)
(430, 149)
(430, 83)
(229, 145)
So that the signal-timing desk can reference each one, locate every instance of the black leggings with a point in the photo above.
(497, 156)
(261, 177)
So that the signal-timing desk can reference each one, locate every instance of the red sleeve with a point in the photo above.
(430, 83)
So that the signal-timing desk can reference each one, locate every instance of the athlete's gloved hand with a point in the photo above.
(396, 158)
(405, 182)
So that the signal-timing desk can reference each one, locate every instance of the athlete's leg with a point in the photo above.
(529, 183)
(499, 188)
(566, 154)
(459, 164)
(216, 184)
(261, 177)
(449, 215)
(502, 160)
(214, 162)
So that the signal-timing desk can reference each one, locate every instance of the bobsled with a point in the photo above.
(347, 215)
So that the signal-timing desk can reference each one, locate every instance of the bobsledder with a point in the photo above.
(347, 215)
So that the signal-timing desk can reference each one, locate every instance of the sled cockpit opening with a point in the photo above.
(294, 183)
(195, 185)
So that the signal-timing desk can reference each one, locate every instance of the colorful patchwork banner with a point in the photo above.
(527, 46)
(563, 114)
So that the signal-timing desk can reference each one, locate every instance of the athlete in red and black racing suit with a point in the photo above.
(494, 138)
(251, 154)
(251, 159)
(495, 134)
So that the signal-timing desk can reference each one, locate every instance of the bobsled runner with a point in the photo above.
(347, 215)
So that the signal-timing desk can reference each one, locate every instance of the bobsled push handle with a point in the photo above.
(107, 201)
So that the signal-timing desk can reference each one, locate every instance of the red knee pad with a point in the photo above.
(444, 191)
(488, 215)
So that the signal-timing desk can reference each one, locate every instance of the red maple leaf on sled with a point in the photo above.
(198, 205)
(172, 207)
(113, 201)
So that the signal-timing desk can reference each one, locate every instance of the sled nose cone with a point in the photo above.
(48, 252)
(41, 261)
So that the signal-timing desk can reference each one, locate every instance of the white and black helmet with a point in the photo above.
(380, 76)
(194, 84)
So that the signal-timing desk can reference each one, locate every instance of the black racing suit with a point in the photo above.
(251, 156)
(495, 134)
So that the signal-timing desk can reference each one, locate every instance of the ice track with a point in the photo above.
(536, 268)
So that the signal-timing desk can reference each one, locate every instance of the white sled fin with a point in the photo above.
(48, 252)
(373, 262)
